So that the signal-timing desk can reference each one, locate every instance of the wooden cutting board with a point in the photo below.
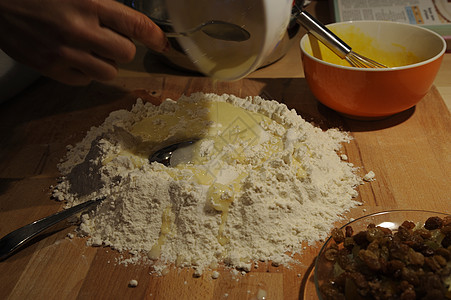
(409, 153)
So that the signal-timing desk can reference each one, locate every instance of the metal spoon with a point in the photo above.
(333, 42)
(14, 240)
(166, 155)
(219, 30)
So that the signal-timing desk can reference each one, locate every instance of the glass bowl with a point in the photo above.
(325, 269)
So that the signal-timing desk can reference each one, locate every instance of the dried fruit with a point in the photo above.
(376, 263)
(433, 223)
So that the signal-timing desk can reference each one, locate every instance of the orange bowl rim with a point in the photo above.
(437, 56)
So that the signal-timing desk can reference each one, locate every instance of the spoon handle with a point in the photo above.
(175, 34)
(322, 33)
(18, 237)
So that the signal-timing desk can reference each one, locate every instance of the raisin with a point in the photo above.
(445, 272)
(425, 234)
(349, 243)
(374, 247)
(329, 291)
(359, 280)
(344, 260)
(385, 253)
(349, 231)
(446, 242)
(404, 285)
(408, 225)
(443, 252)
(399, 250)
(434, 294)
(410, 276)
(386, 231)
(370, 258)
(395, 265)
(416, 258)
(408, 294)
(384, 263)
(406, 264)
(416, 242)
(446, 230)
(374, 233)
(360, 238)
(432, 263)
(428, 251)
(440, 260)
(340, 281)
(431, 282)
(433, 223)
(331, 254)
(404, 233)
(338, 236)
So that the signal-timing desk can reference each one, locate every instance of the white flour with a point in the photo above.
(275, 209)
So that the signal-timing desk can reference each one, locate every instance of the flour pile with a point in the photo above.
(244, 201)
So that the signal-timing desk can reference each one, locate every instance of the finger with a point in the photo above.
(103, 41)
(71, 76)
(19, 48)
(69, 66)
(93, 66)
(75, 67)
(133, 24)
(112, 46)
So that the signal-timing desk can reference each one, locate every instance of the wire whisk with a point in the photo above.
(334, 43)
(360, 61)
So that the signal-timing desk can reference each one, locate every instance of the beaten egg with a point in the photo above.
(393, 55)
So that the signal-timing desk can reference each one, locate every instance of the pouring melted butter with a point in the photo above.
(225, 133)
(167, 219)
(220, 197)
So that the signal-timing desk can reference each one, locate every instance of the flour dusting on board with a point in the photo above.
(261, 182)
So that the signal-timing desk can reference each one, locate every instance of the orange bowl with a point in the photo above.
(413, 54)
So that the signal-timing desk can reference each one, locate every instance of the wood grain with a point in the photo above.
(409, 152)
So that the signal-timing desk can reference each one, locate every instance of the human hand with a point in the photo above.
(75, 41)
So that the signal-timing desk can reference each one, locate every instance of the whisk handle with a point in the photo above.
(324, 35)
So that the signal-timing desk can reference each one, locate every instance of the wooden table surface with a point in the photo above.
(409, 153)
